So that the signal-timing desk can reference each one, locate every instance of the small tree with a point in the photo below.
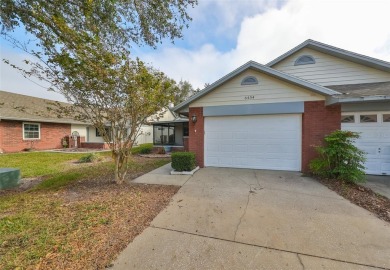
(339, 158)
(83, 49)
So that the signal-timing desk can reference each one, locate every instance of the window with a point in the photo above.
(31, 131)
(249, 80)
(386, 118)
(304, 60)
(185, 129)
(371, 118)
(164, 134)
(347, 119)
(107, 130)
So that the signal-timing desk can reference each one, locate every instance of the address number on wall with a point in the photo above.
(249, 97)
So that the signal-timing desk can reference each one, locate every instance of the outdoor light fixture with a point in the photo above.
(193, 118)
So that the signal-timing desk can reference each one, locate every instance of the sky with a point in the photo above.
(225, 34)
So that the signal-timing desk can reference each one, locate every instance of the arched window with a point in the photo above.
(249, 80)
(304, 60)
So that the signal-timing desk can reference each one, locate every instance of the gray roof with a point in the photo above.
(340, 53)
(264, 69)
(379, 91)
(176, 120)
(364, 89)
(26, 108)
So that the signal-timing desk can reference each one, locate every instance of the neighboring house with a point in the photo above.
(271, 116)
(25, 122)
(170, 130)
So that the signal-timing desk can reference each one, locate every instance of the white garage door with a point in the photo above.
(375, 138)
(255, 141)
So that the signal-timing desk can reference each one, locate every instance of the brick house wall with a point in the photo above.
(318, 121)
(11, 136)
(185, 143)
(196, 135)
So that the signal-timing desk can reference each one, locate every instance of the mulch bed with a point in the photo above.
(361, 196)
(130, 209)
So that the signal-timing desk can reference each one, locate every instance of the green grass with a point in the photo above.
(40, 163)
(39, 222)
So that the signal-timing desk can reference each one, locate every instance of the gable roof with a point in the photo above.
(337, 52)
(264, 69)
(27, 108)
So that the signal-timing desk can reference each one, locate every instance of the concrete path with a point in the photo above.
(162, 176)
(254, 219)
(379, 184)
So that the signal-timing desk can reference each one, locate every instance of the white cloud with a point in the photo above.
(359, 26)
(13, 81)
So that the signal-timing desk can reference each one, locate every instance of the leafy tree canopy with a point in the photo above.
(83, 50)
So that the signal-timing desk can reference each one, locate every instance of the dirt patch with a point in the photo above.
(362, 196)
(83, 227)
(155, 155)
(79, 150)
(27, 183)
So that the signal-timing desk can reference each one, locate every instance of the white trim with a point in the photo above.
(39, 131)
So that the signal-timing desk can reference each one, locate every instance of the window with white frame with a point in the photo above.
(368, 118)
(31, 131)
(386, 118)
(347, 119)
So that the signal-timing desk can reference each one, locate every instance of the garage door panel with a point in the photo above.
(386, 167)
(260, 142)
(374, 141)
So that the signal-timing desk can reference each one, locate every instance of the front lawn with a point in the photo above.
(77, 218)
(33, 164)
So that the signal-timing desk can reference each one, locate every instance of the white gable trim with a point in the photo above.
(337, 52)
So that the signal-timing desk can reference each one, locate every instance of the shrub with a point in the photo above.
(183, 161)
(92, 157)
(145, 148)
(339, 158)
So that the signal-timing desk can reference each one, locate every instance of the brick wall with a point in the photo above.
(95, 145)
(11, 136)
(196, 135)
(185, 143)
(318, 121)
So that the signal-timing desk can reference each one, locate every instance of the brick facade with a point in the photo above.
(185, 143)
(95, 145)
(11, 136)
(318, 121)
(196, 135)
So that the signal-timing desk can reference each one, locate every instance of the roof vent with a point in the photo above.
(304, 60)
(249, 80)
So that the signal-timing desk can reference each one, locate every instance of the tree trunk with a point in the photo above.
(120, 159)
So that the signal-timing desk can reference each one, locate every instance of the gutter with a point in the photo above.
(335, 100)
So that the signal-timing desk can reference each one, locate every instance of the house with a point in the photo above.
(25, 123)
(271, 116)
(170, 131)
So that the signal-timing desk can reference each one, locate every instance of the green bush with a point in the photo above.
(183, 161)
(339, 158)
(145, 148)
(92, 157)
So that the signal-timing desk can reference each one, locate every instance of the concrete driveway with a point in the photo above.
(255, 219)
(379, 183)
